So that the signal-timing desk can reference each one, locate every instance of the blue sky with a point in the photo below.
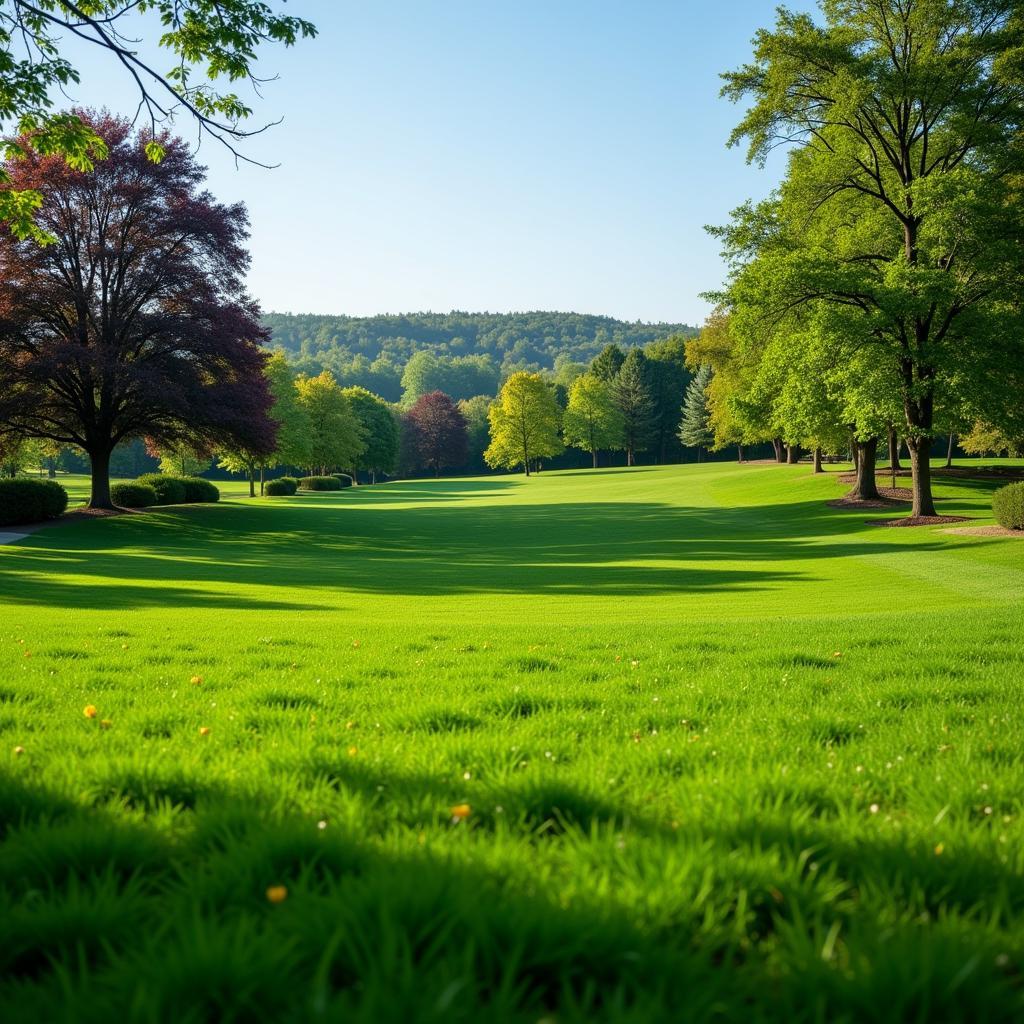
(492, 156)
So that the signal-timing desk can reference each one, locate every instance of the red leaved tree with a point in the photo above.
(135, 320)
(439, 431)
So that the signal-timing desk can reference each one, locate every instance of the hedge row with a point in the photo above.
(134, 495)
(1008, 506)
(324, 483)
(31, 501)
(179, 490)
(283, 486)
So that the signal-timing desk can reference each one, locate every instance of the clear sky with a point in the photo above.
(535, 154)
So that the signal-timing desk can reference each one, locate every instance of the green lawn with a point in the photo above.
(727, 753)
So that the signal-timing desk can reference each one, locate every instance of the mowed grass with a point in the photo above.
(727, 754)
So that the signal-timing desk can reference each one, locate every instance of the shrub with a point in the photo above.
(1008, 506)
(343, 479)
(134, 495)
(291, 482)
(320, 483)
(199, 491)
(278, 489)
(170, 490)
(31, 501)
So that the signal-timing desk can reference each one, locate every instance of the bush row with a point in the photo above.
(31, 501)
(283, 486)
(324, 483)
(1008, 506)
(163, 489)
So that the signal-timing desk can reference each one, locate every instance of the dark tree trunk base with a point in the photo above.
(866, 489)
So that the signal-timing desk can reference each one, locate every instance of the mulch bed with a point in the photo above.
(987, 531)
(891, 497)
(917, 521)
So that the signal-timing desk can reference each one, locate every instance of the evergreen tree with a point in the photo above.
(695, 430)
(608, 362)
(633, 395)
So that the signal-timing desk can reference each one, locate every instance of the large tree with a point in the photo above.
(669, 375)
(335, 436)
(695, 429)
(136, 320)
(592, 420)
(525, 419)
(380, 431)
(902, 196)
(633, 395)
(439, 431)
(209, 42)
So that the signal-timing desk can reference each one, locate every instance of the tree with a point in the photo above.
(695, 430)
(209, 41)
(181, 459)
(607, 363)
(335, 436)
(137, 321)
(292, 443)
(477, 428)
(592, 421)
(666, 361)
(631, 391)
(901, 206)
(380, 431)
(525, 420)
(439, 429)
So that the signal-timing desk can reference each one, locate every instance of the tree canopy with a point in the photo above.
(525, 421)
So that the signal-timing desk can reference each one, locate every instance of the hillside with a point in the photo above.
(373, 351)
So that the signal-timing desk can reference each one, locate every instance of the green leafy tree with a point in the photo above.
(380, 432)
(695, 429)
(477, 428)
(335, 436)
(632, 393)
(210, 43)
(525, 421)
(608, 362)
(669, 375)
(592, 421)
(901, 208)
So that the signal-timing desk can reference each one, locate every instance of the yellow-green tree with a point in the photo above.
(335, 436)
(524, 420)
(592, 420)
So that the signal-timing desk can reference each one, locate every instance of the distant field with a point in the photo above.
(652, 744)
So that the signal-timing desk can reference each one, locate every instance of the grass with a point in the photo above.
(728, 754)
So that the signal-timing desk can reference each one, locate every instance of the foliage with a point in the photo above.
(695, 430)
(289, 481)
(182, 459)
(280, 487)
(1008, 506)
(437, 430)
(633, 395)
(787, 777)
(372, 351)
(524, 422)
(320, 483)
(669, 376)
(209, 42)
(607, 363)
(379, 429)
(592, 421)
(170, 490)
(984, 439)
(456, 376)
(474, 411)
(335, 438)
(31, 501)
(895, 235)
(172, 352)
(133, 494)
(199, 491)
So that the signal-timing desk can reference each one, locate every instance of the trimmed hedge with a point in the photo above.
(278, 489)
(180, 490)
(1008, 506)
(321, 483)
(169, 489)
(31, 501)
(134, 495)
(199, 491)
(291, 481)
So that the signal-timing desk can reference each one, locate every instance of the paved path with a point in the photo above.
(11, 538)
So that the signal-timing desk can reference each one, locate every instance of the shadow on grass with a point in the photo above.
(303, 554)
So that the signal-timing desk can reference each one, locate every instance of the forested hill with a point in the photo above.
(373, 350)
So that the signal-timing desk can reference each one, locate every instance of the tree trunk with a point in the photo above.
(792, 454)
(866, 489)
(594, 454)
(817, 461)
(252, 484)
(894, 450)
(739, 452)
(921, 467)
(949, 450)
(373, 476)
(263, 479)
(100, 490)
(780, 453)
(629, 456)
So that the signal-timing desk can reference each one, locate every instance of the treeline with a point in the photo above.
(400, 357)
